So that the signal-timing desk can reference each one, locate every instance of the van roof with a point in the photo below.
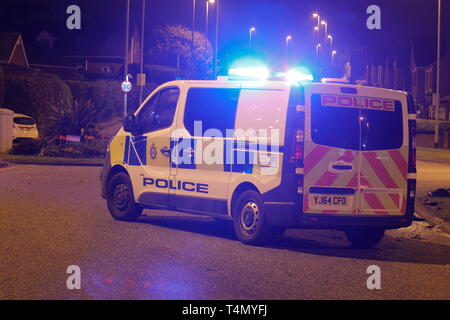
(21, 115)
(272, 84)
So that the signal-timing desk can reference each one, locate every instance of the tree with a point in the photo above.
(172, 47)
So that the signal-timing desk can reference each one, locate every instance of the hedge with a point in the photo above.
(31, 92)
(107, 96)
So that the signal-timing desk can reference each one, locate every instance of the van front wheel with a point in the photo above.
(249, 220)
(364, 237)
(120, 199)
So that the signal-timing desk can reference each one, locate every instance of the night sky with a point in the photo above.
(402, 21)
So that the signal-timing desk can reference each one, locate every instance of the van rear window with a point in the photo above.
(356, 128)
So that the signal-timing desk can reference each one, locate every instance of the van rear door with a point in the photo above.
(331, 160)
(384, 156)
(356, 146)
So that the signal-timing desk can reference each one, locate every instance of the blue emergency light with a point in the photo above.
(250, 73)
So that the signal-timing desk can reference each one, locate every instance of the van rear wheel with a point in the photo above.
(120, 199)
(249, 220)
(364, 237)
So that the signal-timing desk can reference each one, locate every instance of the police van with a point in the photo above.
(269, 155)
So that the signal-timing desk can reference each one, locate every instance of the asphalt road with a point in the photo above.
(53, 217)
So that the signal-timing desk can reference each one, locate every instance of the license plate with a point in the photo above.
(331, 202)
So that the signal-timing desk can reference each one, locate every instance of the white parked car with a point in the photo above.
(24, 127)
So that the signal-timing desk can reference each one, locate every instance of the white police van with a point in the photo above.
(269, 155)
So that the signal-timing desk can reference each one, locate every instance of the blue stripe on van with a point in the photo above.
(186, 161)
(138, 151)
(127, 149)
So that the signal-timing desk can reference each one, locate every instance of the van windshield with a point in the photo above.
(356, 128)
(24, 121)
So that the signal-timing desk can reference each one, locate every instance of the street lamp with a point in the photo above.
(317, 28)
(252, 29)
(316, 15)
(317, 51)
(330, 37)
(323, 22)
(288, 38)
(333, 54)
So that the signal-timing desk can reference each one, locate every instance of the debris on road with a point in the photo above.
(440, 193)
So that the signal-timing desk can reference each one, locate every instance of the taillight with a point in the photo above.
(299, 149)
(300, 183)
(412, 123)
(299, 135)
(412, 146)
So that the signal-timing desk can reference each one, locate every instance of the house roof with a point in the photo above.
(8, 41)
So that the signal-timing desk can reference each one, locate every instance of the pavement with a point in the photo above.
(431, 176)
(53, 217)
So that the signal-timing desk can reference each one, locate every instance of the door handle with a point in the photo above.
(165, 151)
(342, 167)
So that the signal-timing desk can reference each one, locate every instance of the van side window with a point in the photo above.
(159, 111)
(214, 107)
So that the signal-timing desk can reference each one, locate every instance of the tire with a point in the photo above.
(120, 198)
(364, 237)
(249, 220)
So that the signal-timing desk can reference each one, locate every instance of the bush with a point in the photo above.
(71, 117)
(107, 96)
(32, 92)
(26, 147)
(85, 149)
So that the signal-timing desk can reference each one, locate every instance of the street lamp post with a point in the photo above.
(127, 26)
(317, 28)
(316, 15)
(288, 40)
(330, 37)
(192, 38)
(317, 52)
(206, 28)
(142, 51)
(252, 29)
(438, 78)
(333, 54)
(217, 38)
(326, 28)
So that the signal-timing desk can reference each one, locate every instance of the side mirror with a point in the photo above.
(130, 124)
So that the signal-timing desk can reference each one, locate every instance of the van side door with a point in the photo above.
(149, 152)
(202, 172)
